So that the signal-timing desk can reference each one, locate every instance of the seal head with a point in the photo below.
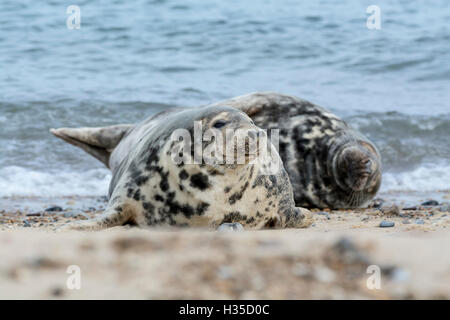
(356, 167)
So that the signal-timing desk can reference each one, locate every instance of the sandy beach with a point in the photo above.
(329, 260)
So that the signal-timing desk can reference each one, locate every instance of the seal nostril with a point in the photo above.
(366, 163)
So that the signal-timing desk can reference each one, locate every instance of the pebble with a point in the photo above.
(419, 221)
(406, 221)
(376, 203)
(225, 272)
(74, 214)
(103, 199)
(411, 208)
(227, 227)
(26, 223)
(324, 274)
(430, 203)
(387, 224)
(323, 213)
(57, 292)
(393, 210)
(35, 214)
(54, 209)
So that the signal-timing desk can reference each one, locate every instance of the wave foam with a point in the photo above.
(424, 178)
(19, 181)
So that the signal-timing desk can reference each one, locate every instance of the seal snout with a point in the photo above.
(356, 168)
(365, 168)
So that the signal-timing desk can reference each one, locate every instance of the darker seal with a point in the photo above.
(329, 163)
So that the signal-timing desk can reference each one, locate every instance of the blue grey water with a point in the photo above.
(132, 58)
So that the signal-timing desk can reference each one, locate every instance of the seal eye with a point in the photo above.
(219, 124)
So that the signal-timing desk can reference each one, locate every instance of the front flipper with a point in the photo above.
(110, 218)
(298, 218)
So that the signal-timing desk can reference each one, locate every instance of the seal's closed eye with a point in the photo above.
(219, 124)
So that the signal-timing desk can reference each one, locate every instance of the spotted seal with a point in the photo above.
(330, 165)
(149, 188)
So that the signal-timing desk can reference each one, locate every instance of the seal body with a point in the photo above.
(330, 165)
(149, 188)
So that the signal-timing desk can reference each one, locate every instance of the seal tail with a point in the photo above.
(98, 142)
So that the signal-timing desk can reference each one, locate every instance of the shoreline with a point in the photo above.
(328, 260)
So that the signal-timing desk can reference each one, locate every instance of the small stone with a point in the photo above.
(419, 221)
(410, 208)
(324, 274)
(103, 199)
(323, 213)
(35, 214)
(393, 210)
(225, 272)
(57, 292)
(54, 209)
(430, 203)
(406, 221)
(376, 203)
(227, 227)
(26, 223)
(302, 270)
(387, 224)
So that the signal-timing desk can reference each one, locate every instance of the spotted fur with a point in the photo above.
(148, 188)
(329, 164)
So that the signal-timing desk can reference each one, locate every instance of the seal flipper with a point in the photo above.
(110, 218)
(298, 218)
(98, 142)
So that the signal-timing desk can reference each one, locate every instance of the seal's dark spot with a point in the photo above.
(164, 184)
(141, 180)
(159, 198)
(200, 181)
(137, 195)
(234, 216)
(227, 189)
(238, 195)
(201, 208)
(271, 223)
(130, 192)
(183, 175)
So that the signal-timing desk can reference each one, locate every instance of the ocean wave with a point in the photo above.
(19, 181)
(425, 178)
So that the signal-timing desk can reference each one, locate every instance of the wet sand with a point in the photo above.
(328, 260)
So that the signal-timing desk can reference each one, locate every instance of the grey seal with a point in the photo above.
(330, 164)
(149, 188)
